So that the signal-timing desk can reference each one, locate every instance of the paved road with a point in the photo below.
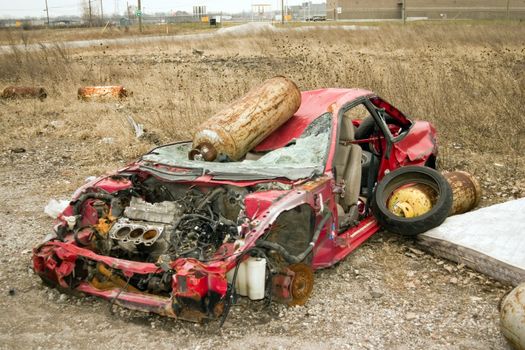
(243, 29)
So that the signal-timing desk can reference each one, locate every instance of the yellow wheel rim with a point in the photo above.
(411, 200)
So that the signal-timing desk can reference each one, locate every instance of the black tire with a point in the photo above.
(419, 224)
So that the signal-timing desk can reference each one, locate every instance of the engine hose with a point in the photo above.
(210, 197)
(294, 259)
(61, 232)
(194, 216)
(269, 283)
(118, 294)
(197, 216)
(92, 195)
(77, 240)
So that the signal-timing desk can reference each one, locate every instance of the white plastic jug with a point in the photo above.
(256, 277)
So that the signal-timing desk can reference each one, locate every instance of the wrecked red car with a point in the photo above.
(182, 237)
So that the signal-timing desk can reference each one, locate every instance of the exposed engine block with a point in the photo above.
(137, 232)
(148, 230)
(164, 212)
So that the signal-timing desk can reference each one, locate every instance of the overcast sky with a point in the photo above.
(22, 8)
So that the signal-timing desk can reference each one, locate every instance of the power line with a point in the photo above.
(38, 8)
(63, 7)
(140, 15)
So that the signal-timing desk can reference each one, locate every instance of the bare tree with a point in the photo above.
(91, 12)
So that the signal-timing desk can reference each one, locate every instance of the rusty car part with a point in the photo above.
(466, 191)
(92, 93)
(113, 280)
(302, 284)
(24, 92)
(102, 285)
(246, 122)
(104, 225)
(512, 317)
(281, 286)
(206, 150)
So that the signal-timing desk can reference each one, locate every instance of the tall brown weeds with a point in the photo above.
(468, 79)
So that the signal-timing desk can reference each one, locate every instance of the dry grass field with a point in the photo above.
(21, 36)
(467, 78)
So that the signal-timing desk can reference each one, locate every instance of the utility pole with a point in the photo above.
(101, 12)
(508, 8)
(47, 13)
(403, 11)
(140, 17)
(282, 11)
(90, 18)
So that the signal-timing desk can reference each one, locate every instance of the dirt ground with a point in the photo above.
(388, 294)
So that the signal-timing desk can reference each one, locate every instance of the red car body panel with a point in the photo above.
(56, 261)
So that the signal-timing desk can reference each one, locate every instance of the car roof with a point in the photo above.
(314, 103)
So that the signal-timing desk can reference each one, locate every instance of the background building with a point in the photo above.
(431, 9)
(307, 10)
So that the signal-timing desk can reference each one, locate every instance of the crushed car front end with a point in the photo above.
(140, 255)
(167, 236)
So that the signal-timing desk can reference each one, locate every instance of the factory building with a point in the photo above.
(425, 9)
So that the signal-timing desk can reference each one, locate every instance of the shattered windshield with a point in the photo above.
(303, 157)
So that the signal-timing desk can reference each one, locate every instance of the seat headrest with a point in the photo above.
(347, 131)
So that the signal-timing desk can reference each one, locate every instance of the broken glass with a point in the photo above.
(303, 157)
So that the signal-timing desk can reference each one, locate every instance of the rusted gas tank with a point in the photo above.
(512, 317)
(246, 122)
(465, 189)
(91, 93)
(24, 92)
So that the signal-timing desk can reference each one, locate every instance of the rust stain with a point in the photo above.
(114, 280)
(246, 122)
(332, 108)
(310, 185)
(91, 93)
(466, 191)
(512, 317)
(104, 224)
(191, 315)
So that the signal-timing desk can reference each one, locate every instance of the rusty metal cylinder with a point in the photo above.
(24, 92)
(465, 189)
(512, 317)
(235, 130)
(91, 93)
